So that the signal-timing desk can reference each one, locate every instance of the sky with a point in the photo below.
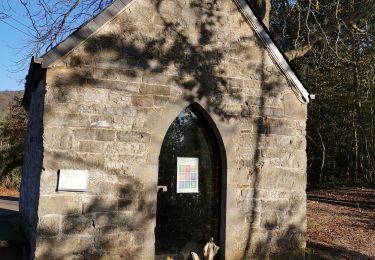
(12, 50)
(16, 33)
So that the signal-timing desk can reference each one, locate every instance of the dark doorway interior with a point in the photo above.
(186, 221)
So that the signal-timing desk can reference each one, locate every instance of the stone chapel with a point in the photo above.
(158, 125)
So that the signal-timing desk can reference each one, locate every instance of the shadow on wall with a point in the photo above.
(105, 225)
(203, 72)
(202, 67)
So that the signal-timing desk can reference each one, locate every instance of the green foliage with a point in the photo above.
(12, 180)
(12, 138)
(6, 98)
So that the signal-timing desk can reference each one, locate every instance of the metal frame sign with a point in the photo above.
(187, 175)
(72, 180)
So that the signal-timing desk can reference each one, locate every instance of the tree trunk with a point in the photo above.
(363, 158)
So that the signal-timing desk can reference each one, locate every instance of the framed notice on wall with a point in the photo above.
(72, 180)
(187, 175)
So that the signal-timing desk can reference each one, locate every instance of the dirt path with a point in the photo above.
(341, 224)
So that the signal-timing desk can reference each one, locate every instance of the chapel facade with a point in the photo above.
(159, 125)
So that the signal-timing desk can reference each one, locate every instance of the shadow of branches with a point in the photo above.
(193, 59)
(109, 221)
(192, 53)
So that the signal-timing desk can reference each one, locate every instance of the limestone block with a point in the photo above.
(263, 100)
(294, 108)
(124, 111)
(59, 204)
(58, 138)
(62, 246)
(65, 120)
(128, 204)
(78, 94)
(54, 160)
(176, 91)
(253, 87)
(126, 148)
(275, 205)
(101, 121)
(243, 176)
(114, 220)
(115, 189)
(77, 224)
(94, 134)
(84, 134)
(246, 163)
(252, 110)
(249, 205)
(269, 177)
(108, 239)
(282, 142)
(133, 137)
(161, 101)
(147, 89)
(131, 75)
(48, 182)
(121, 160)
(118, 97)
(290, 159)
(93, 204)
(139, 101)
(67, 107)
(248, 140)
(59, 79)
(49, 225)
(95, 95)
(87, 161)
(91, 109)
(91, 146)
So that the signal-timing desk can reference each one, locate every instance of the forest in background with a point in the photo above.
(331, 46)
(329, 43)
(13, 122)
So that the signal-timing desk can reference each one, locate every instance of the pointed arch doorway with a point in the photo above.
(191, 187)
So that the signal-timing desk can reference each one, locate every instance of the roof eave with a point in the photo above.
(84, 32)
(32, 79)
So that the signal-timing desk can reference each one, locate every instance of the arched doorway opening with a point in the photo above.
(191, 195)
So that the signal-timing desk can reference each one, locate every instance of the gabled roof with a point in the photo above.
(84, 32)
(114, 9)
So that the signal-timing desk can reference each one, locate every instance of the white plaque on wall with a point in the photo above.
(187, 175)
(72, 180)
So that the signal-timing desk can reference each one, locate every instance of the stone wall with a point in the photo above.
(32, 166)
(109, 103)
